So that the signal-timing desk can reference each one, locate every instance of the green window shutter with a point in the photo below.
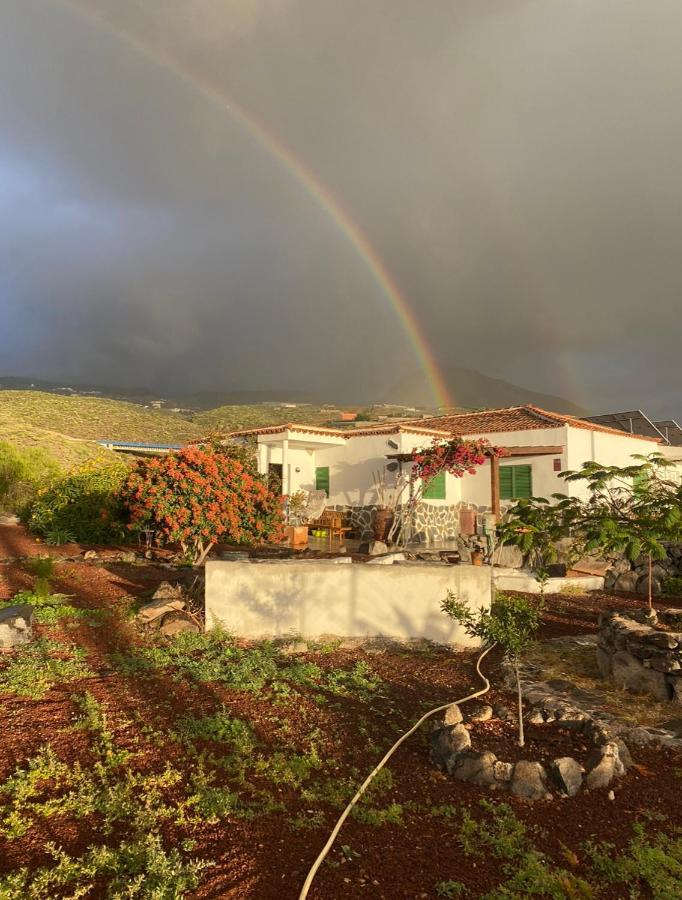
(435, 489)
(516, 482)
(506, 483)
(322, 479)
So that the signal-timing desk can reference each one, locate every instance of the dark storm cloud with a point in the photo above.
(514, 163)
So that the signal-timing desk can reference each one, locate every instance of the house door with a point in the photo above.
(275, 476)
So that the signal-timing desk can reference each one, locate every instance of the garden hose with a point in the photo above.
(365, 784)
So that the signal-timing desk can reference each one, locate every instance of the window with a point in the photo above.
(435, 489)
(516, 482)
(322, 479)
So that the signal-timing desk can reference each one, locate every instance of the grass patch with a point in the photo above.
(50, 609)
(214, 657)
(578, 664)
(34, 668)
(137, 868)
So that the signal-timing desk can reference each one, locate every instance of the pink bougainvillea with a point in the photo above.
(456, 456)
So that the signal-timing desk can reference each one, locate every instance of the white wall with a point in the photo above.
(312, 599)
(351, 468)
(476, 488)
(298, 458)
(602, 447)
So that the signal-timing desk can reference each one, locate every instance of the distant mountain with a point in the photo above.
(468, 389)
(192, 401)
(472, 390)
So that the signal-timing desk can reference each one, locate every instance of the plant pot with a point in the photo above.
(297, 535)
(383, 519)
(476, 557)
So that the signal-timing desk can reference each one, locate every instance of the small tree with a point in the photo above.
(200, 495)
(511, 622)
(631, 510)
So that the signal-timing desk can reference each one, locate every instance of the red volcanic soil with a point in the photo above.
(266, 854)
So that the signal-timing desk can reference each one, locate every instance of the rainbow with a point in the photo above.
(322, 196)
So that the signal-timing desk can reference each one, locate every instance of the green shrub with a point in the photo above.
(84, 505)
(672, 587)
(22, 473)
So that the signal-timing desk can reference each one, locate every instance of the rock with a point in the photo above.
(627, 582)
(373, 548)
(508, 556)
(503, 770)
(567, 774)
(168, 591)
(127, 557)
(598, 732)
(664, 639)
(475, 767)
(603, 662)
(151, 612)
(453, 715)
(90, 554)
(177, 622)
(447, 743)
(480, 712)
(671, 617)
(9, 520)
(16, 626)
(638, 737)
(623, 753)
(502, 712)
(603, 766)
(621, 566)
(535, 717)
(529, 781)
(611, 795)
(387, 560)
(643, 586)
(676, 684)
(633, 676)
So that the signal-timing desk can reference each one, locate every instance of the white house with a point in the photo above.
(343, 462)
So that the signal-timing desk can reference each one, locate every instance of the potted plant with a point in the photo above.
(297, 533)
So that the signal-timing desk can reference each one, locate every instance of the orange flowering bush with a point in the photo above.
(201, 495)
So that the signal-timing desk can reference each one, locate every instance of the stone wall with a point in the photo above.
(634, 577)
(432, 523)
(641, 651)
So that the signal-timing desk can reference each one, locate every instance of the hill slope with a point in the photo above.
(473, 390)
(95, 419)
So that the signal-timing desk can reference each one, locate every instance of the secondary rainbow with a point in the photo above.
(308, 180)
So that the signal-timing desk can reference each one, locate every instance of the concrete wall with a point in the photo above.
(311, 599)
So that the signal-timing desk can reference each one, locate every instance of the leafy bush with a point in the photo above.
(84, 505)
(201, 495)
(22, 472)
(672, 587)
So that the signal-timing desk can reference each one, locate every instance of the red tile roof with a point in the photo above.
(397, 428)
(518, 418)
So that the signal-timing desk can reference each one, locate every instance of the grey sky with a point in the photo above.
(515, 164)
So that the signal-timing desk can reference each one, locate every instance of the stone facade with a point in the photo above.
(431, 524)
(642, 651)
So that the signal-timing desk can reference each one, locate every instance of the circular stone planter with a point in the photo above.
(453, 753)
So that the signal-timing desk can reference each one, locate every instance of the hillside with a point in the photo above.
(67, 451)
(93, 418)
(472, 390)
